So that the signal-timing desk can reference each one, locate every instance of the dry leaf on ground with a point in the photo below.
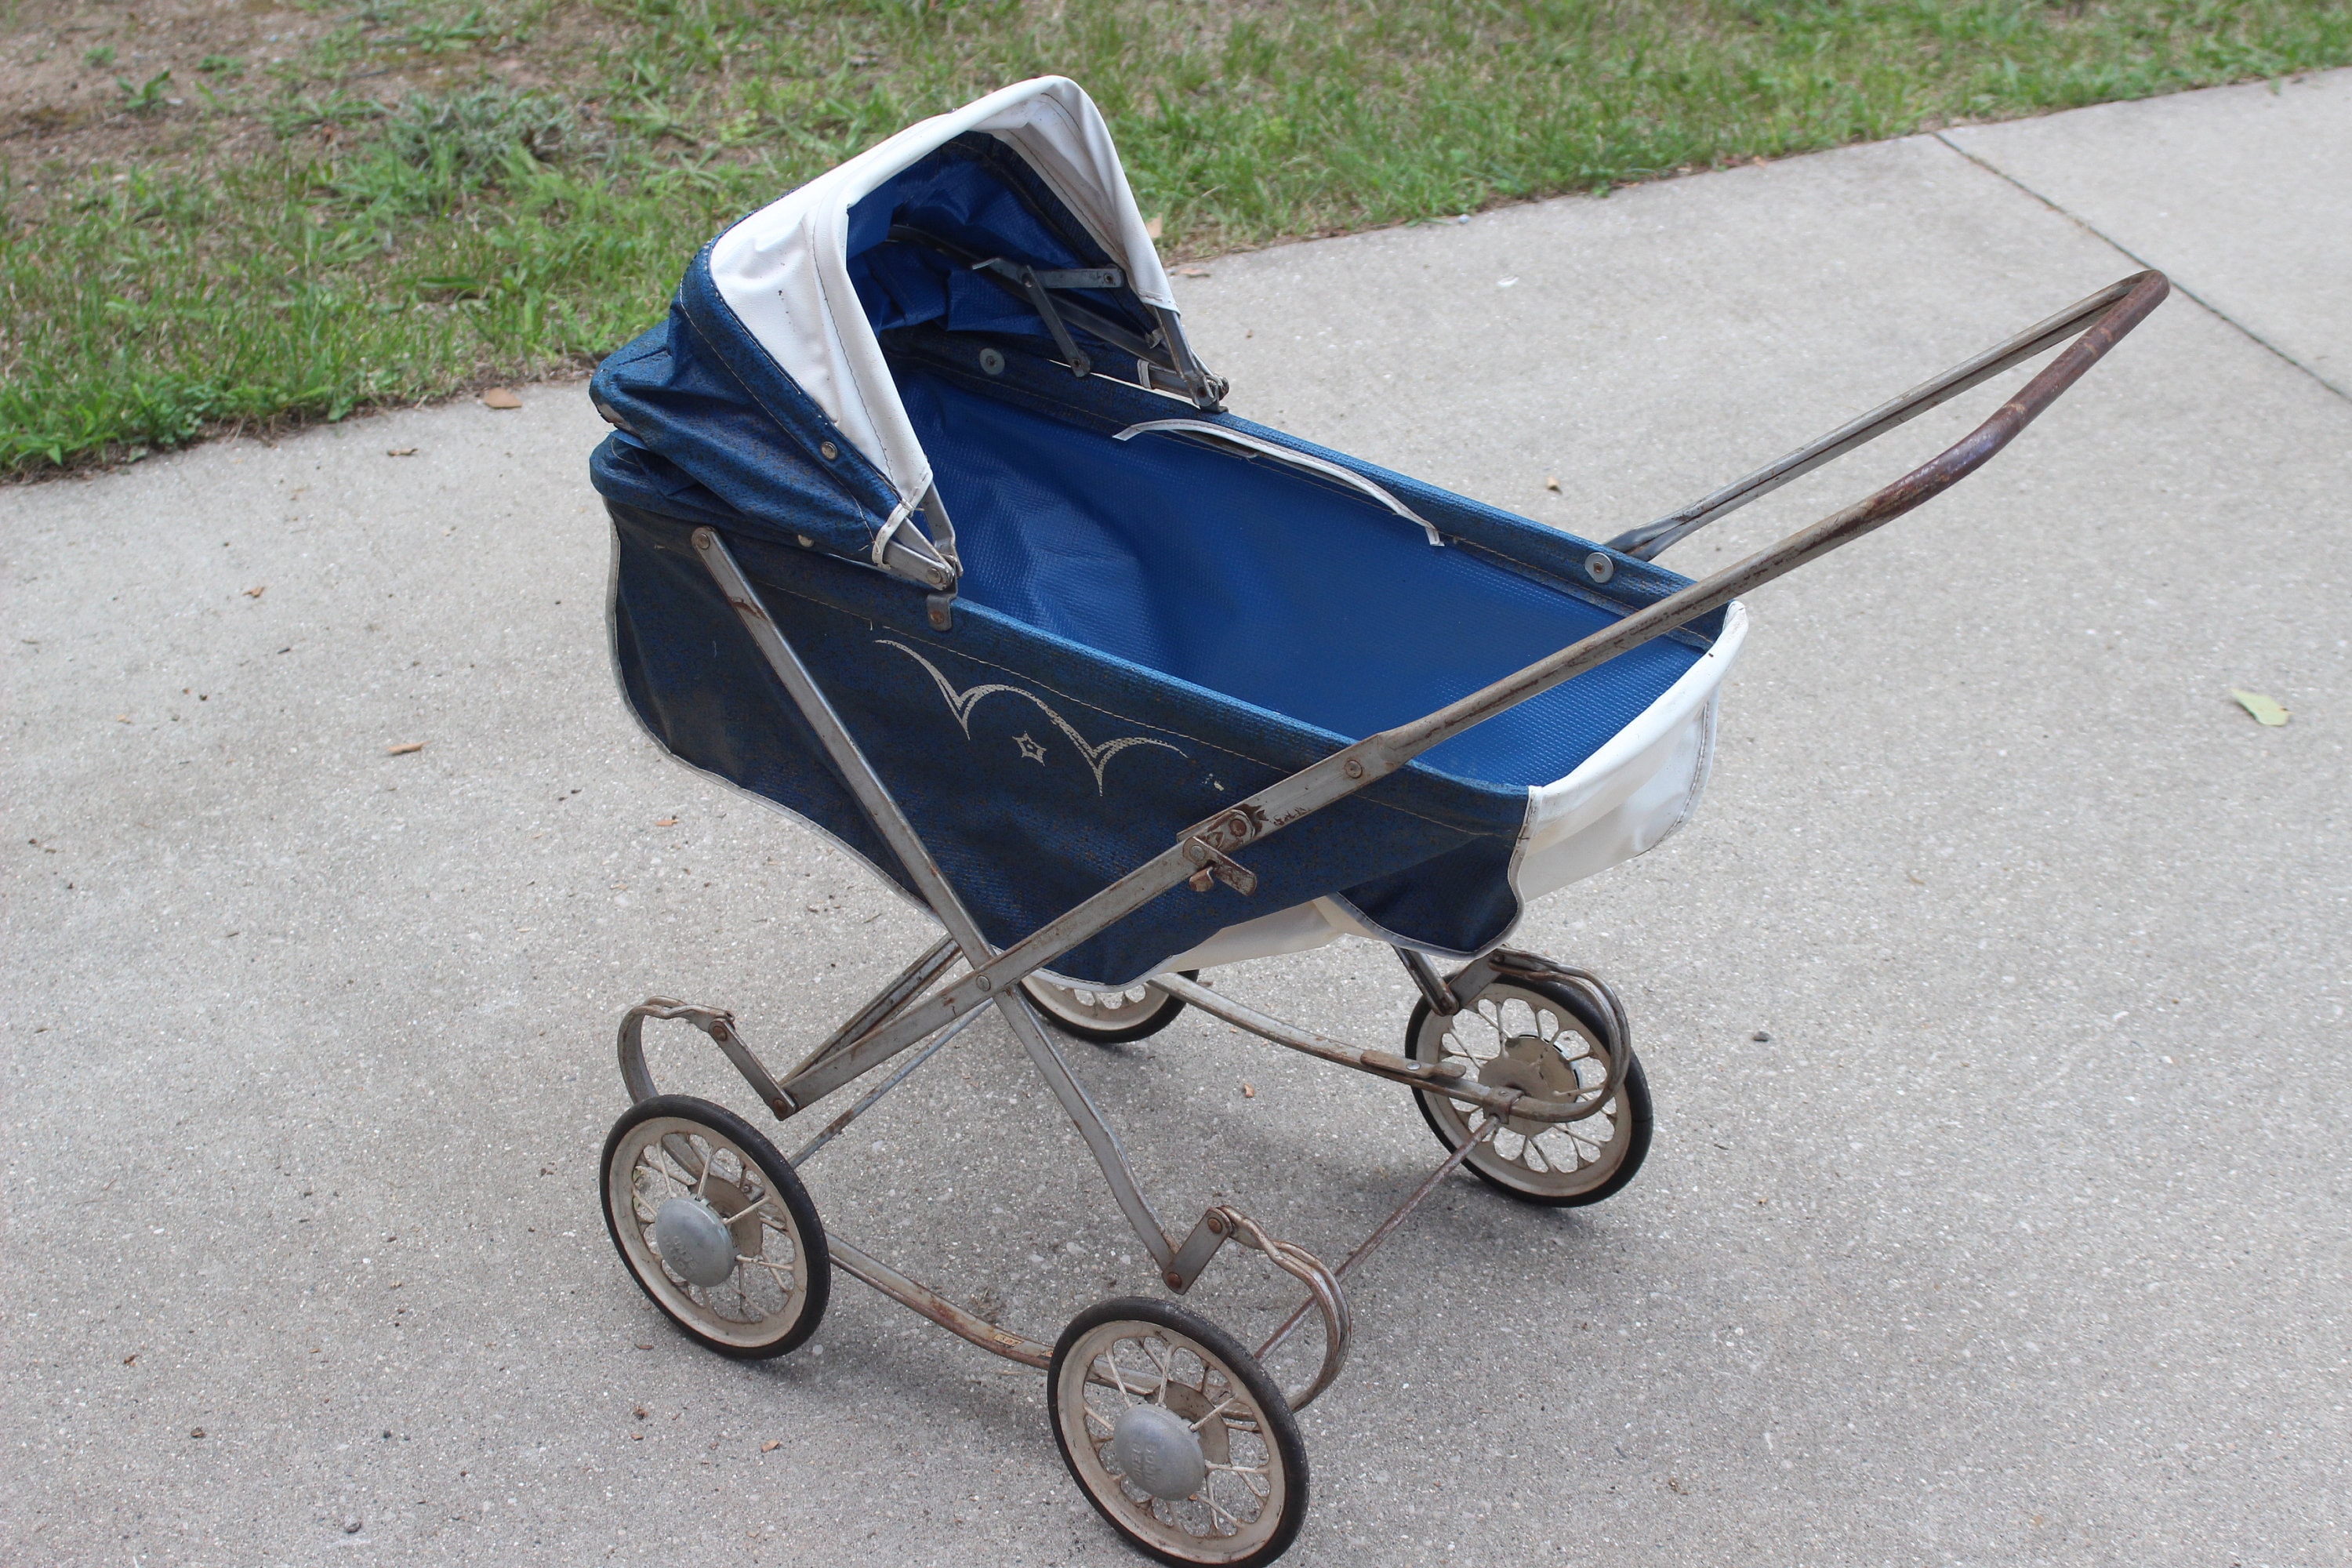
(402, 749)
(400, 451)
(499, 397)
(2265, 710)
(256, 590)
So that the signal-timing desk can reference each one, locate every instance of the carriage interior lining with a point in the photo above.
(1236, 574)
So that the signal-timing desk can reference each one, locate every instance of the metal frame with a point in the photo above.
(913, 1008)
(1164, 360)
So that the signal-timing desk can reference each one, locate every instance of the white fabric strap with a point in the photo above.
(1259, 446)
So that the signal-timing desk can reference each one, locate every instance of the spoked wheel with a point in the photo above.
(715, 1226)
(1106, 1017)
(1177, 1435)
(1548, 1039)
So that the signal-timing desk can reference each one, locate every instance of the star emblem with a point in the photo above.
(1031, 749)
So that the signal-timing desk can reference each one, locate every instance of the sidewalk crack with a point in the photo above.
(2094, 232)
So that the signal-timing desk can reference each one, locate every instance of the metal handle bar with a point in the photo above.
(1358, 767)
(1647, 541)
(2145, 290)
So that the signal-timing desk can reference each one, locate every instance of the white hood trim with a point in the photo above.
(784, 270)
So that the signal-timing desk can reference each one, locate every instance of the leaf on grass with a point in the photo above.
(499, 397)
(2265, 710)
(404, 748)
(1151, 226)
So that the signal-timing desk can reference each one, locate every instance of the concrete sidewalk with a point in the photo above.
(1994, 1003)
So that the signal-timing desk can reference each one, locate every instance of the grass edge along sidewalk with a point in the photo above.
(349, 249)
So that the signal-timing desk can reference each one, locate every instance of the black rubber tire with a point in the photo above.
(1281, 1425)
(1163, 1013)
(782, 1181)
(1633, 1094)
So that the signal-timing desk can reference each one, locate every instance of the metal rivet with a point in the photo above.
(992, 361)
(806, 542)
(1175, 1280)
(1355, 769)
(985, 983)
(828, 450)
(1599, 567)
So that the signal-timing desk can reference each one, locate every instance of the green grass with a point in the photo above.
(370, 252)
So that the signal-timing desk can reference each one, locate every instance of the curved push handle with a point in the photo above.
(1645, 543)
(2101, 323)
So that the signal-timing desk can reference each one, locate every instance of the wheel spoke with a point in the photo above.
(1160, 1394)
(1119, 1378)
(1214, 1411)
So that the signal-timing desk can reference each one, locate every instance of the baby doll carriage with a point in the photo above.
(931, 530)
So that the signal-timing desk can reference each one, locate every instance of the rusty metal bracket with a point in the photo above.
(715, 1022)
(1193, 1258)
(1371, 1243)
(1323, 1292)
(1216, 865)
(1222, 1223)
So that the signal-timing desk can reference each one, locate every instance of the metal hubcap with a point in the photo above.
(1533, 1065)
(694, 1241)
(1155, 1448)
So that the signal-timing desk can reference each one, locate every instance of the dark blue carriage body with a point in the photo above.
(1147, 629)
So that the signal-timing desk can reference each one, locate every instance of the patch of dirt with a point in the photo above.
(62, 111)
(61, 105)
